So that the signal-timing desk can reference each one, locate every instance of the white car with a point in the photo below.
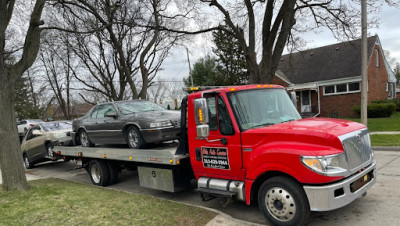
(26, 124)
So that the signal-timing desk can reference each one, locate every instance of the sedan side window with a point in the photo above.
(94, 112)
(104, 109)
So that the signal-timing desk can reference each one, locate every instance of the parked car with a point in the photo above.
(37, 145)
(26, 124)
(136, 123)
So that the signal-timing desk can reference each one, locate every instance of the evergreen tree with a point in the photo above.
(397, 73)
(231, 60)
(205, 73)
(24, 105)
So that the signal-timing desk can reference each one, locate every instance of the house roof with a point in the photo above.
(341, 60)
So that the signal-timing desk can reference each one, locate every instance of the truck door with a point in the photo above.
(220, 154)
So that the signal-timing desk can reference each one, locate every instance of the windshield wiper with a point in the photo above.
(264, 124)
(288, 120)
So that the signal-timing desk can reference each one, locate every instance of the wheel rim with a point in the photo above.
(280, 204)
(95, 172)
(49, 150)
(133, 138)
(84, 139)
(26, 161)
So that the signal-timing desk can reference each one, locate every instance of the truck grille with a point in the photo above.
(357, 146)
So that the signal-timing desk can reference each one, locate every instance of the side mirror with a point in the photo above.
(111, 114)
(37, 133)
(201, 117)
(293, 98)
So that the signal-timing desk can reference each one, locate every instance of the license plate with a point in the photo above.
(365, 177)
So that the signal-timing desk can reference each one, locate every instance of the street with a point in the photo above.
(379, 207)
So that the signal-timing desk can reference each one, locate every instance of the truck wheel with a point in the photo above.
(134, 138)
(85, 141)
(283, 202)
(99, 172)
(49, 150)
(113, 172)
(28, 164)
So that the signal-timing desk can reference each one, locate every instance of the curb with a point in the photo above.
(385, 148)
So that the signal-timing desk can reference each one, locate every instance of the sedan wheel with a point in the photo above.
(134, 138)
(85, 141)
(49, 149)
(28, 164)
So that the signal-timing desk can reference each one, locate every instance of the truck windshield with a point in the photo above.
(262, 107)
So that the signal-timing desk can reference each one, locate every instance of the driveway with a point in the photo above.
(379, 207)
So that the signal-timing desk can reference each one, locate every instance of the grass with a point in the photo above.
(382, 124)
(59, 202)
(385, 140)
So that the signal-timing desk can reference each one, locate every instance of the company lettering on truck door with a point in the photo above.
(215, 157)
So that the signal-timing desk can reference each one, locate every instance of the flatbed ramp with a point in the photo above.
(164, 155)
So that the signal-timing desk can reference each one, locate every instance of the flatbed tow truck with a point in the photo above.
(249, 143)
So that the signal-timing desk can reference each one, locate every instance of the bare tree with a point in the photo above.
(112, 49)
(12, 170)
(57, 60)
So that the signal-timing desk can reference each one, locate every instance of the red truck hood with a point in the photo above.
(311, 131)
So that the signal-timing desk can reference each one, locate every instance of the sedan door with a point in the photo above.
(108, 125)
(34, 145)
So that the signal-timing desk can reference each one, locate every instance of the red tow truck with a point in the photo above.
(249, 143)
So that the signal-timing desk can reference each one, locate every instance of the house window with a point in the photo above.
(354, 86)
(343, 88)
(329, 89)
(377, 57)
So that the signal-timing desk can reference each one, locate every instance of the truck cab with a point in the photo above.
(250, 142)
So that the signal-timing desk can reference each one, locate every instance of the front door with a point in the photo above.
(305, 98)
(220, 155)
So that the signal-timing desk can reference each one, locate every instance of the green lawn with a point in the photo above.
(382, 124)
(385, 140)
(59, 202)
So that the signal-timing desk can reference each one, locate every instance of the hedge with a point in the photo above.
(377, 110)
(394, 101)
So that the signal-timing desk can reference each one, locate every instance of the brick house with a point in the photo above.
(327, 80)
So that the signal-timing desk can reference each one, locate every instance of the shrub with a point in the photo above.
(394, 101)
(377, 110)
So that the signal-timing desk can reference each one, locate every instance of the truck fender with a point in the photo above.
(263, 172)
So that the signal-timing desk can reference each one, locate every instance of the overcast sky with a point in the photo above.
(176, 66)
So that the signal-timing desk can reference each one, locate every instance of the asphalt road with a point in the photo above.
(380, 207)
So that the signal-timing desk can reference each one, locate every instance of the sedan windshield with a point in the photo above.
(55, 126)
(127, 108)
(262, 107)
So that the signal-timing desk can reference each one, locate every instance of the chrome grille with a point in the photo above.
(357, 146)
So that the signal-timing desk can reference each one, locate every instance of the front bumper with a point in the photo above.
(337, 195)
(159, 135)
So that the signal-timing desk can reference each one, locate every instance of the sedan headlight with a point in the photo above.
(329, 165)
(160, 124)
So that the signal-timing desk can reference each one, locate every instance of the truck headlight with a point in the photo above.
(329, 165)
(160, 124)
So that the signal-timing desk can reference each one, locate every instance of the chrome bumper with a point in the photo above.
(322, 198)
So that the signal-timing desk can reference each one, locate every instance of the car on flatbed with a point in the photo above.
(136, 123)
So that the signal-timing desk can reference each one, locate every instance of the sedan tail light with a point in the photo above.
(31, 125)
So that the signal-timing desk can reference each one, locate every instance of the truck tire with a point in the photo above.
(28, 164)
(283, 201)
(113, 172)
(134, 138)
(99, 173)
(84, 138)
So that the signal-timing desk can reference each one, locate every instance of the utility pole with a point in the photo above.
(190, 67)
(364, 66)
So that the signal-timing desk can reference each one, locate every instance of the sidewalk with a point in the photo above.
(28, 177)
(385, 132)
